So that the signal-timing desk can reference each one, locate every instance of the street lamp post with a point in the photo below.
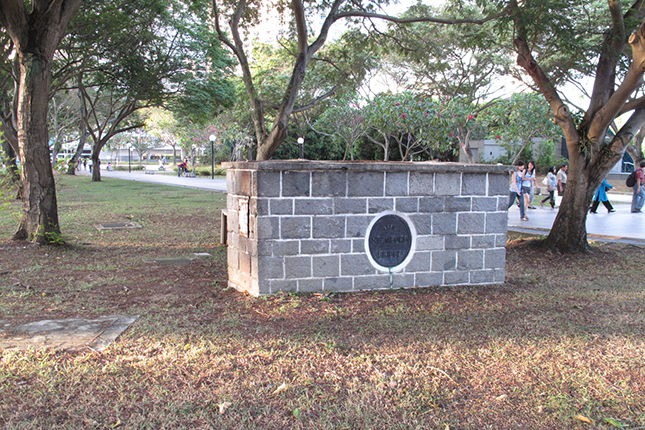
(212, 139)
(129, 158)
(301, 143)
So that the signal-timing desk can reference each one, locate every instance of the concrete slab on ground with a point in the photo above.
(117, 225)
(179, 261)
(69, 334)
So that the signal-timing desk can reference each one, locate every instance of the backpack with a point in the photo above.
(631, 179)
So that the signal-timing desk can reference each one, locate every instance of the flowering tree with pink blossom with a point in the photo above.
(517, 120)
(460, 115)
(345, 123)
(410, 121)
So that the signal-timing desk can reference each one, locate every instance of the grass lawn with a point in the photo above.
(559, 346)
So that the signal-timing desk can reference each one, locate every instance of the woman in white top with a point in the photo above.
(516, 190)
(551, 184)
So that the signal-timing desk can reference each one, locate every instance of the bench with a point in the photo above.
(149, 172)
(188, 174)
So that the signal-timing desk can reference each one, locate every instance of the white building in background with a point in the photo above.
(488, 150)
(485, 151)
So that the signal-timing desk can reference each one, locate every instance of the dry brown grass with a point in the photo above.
(561, 341)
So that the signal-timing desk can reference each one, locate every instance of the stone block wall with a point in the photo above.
(302, 225)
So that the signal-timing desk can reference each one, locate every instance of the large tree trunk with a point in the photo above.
(96, 163)
(39, 222)
(36, 33)
(569, 231)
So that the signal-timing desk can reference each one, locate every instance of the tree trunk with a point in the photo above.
(464, 142)
(96, 163)
(636, 151)
(82, 129)
(10, 147)
(569, 231)
(39, 222)
(266, 147)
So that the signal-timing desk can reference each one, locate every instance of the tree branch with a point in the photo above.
(13, 17)
(632, 105)
(632, 80)
(616, 39)
(561, 114)
(301, 25)
(331, 18)
(321, 98)
(361, 14)
(238, 49)
(220, 33)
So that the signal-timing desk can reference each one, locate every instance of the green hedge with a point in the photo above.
(125, 168)
(206, 171)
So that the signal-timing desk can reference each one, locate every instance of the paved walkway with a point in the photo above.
(621, 225)
(165, 178)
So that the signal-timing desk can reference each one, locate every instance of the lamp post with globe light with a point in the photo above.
(301, 144)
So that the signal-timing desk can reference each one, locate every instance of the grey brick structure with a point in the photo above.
(301, 225)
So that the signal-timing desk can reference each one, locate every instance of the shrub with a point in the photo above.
(206, 171)
(546, 157)
(125, 168)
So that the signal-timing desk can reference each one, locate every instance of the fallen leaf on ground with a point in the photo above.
(281, 388)
(223, 407)
(583, 419)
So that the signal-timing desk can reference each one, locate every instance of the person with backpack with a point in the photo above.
(638, 198)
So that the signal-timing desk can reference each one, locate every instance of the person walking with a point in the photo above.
(638, 198)
(516, 190)
(551, 185)
(562, 179)
(601, 196)
(529, 182)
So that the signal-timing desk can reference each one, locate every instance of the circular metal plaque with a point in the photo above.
(390, 241)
